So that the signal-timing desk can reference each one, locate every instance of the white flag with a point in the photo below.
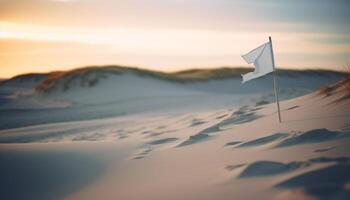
(262, 59)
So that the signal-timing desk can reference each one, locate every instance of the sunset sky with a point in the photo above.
(170, 35)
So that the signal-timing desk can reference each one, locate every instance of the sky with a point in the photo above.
(170, 35)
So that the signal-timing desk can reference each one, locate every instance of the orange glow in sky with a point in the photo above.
(47, 35)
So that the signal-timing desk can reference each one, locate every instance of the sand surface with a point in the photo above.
(232, 151)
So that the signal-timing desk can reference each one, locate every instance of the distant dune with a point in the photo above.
(91, 76)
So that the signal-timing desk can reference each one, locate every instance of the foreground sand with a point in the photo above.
(232, 153)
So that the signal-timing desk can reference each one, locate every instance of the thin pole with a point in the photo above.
(275, 82)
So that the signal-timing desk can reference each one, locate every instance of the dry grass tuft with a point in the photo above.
(341, 88)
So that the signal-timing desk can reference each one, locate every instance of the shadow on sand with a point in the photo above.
(313, 136)
(285, 139)
(269, 168)
(327, 183)
(45, 175)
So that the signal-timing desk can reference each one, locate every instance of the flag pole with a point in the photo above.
(275, 82)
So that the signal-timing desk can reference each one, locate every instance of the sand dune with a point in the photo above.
(96, 92)
(208, 145)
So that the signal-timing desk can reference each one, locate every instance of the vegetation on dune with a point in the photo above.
(86, 77)
(90, 76)
(342, 88)
(49, 81)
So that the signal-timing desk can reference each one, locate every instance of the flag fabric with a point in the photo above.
(262, 59)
